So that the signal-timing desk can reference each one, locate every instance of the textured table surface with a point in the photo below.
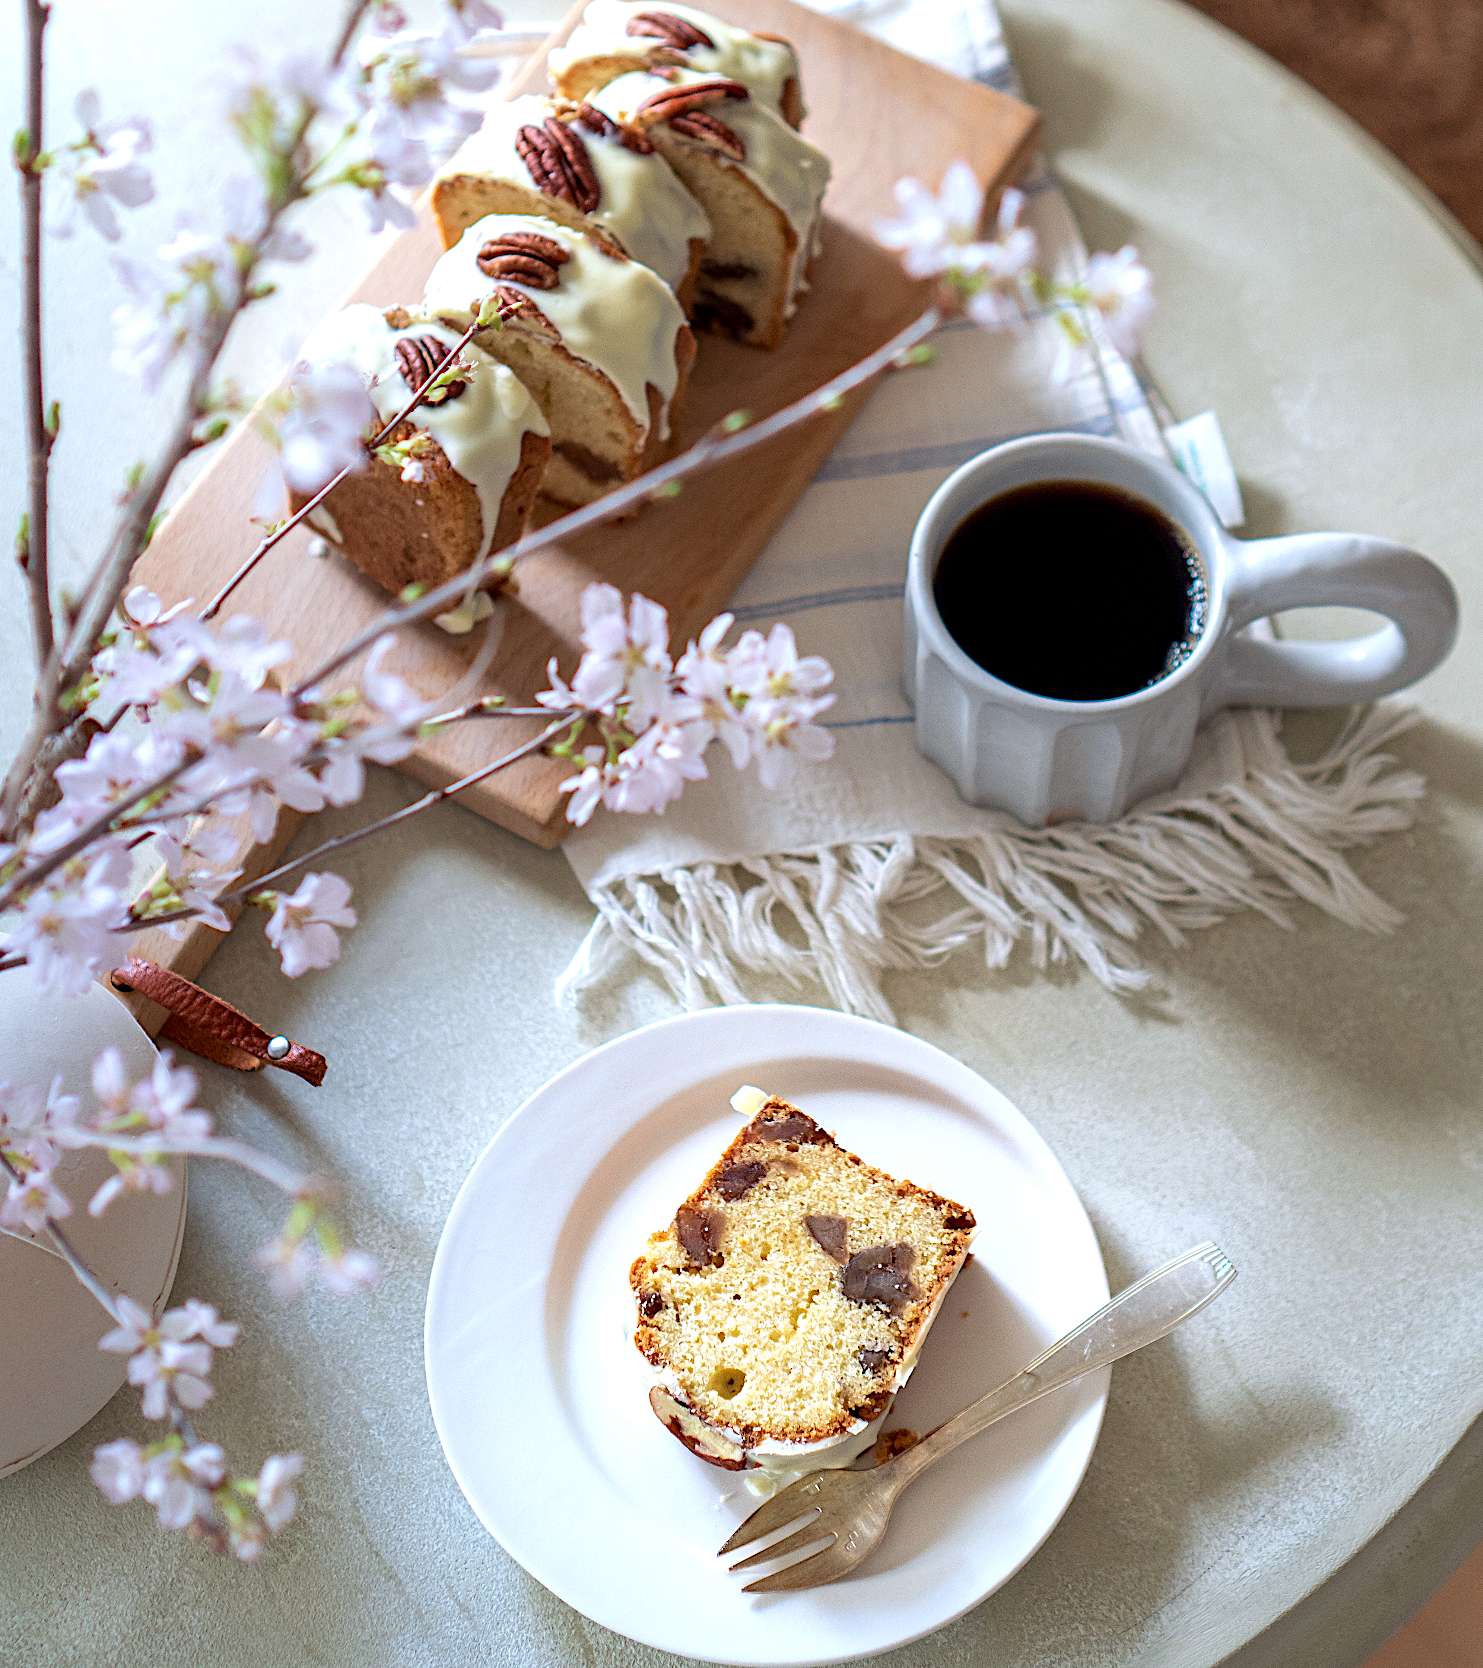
(1311, 1099)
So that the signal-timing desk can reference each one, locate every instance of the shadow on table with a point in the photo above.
(1163, 1468)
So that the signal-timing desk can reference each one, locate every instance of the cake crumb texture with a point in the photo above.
(788, 1296)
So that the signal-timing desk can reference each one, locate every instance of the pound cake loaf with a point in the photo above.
(452, 482)
(760, 184)
(785, 1304)
(616, 36)
(597, 338)
(574, 165)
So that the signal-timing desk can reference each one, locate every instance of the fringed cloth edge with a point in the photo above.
(841, 915)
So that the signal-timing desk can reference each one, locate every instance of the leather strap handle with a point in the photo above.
(214, 1029)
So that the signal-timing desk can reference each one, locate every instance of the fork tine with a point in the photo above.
(815, 1571)
(772, 1515)
(794, 1543)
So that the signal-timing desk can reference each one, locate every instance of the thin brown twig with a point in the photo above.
(33, 549)
(711, 450)
(428, 800)
(100, 825)
(69, 655)
(285, 528)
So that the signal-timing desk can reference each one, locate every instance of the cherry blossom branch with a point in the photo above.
(721, 445)
(84, 1275)
(59, 669)
(286, 527)
(85, 836)
(200, 1146)
(32, 542)
(563, 722)
(428, 800)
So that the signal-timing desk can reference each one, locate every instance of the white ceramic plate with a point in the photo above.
(537, 1394)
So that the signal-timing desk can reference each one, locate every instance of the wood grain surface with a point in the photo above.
(1410, 71)
(878, 115)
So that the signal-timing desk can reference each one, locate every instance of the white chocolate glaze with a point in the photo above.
(480, 431)
(749, 1100)
(642, 202)
(763, 66)
(613, 313)
(782, 164)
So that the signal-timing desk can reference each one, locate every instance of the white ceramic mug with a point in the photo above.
(1050, 760)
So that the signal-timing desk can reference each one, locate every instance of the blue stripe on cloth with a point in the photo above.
(1001, 78)
(819, 599)
(862, 723)
(946, 456)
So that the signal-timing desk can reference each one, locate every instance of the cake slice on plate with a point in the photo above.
(786, 1303)
(597, 338)
(574, 165)
(616, 36)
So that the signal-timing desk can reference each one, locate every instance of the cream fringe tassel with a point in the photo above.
(842, 914)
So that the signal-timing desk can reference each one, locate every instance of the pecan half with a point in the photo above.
(633, 138)
(524, 258)
(673, 31)
(557, 160)
(417, 357)
(670, 102)
(710, 131)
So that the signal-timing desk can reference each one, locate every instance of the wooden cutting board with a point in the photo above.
(878, 114)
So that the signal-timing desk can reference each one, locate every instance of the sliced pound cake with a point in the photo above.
(616, 36)
(452, 482)
(598, 339)
(576, 166)
(760, 183)
(785, 1304)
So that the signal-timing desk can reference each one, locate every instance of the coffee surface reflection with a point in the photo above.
(1072, 590)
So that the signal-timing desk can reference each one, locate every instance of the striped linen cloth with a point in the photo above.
(736, 891)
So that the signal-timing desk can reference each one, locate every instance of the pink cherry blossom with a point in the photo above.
(276, 1498)
(33, 1201)
(302, 925)
(100, 170)
(1120, 287)
(118, 1469)
(322, 431)
(176, 1483)
(65, 928)
(347, 1272)
(288, 1263)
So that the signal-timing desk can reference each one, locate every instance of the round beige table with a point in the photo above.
(1311, 1099)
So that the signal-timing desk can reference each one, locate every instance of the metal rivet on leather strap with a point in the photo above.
(278, 1047)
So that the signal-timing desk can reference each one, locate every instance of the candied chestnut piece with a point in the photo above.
(738, 1179)
(880, 1276)
(699, 1233)
(832, 1234)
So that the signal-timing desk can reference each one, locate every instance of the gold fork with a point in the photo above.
(852, 1507)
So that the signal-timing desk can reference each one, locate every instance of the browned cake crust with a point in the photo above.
(692, 1249)
(743, 288)
(578, 473)
(400, 534)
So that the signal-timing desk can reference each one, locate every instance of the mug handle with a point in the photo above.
(1314, 570)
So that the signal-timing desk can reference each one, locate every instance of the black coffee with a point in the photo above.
(1071, 589)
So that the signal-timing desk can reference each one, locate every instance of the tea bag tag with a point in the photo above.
(1199, 449)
